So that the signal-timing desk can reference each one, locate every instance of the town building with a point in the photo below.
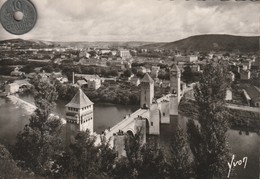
(11, 88)
(186, 59)
(231, 76)
(165, 84)
(245, 74)
(135, 81)
(228, 95)
(155, 71)
(93, 81)
(157, 82)
(252, 94)
(124, 54)
(81, 83)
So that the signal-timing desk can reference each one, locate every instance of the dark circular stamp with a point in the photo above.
(18, 16)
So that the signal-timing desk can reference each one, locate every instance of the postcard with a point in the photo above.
(130, 89)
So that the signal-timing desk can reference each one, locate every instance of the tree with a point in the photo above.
(82, 158)
(187, 74)
(127, 73)
(106, 157)
(48, 68)
(39, 142)
(8, 167)
(209, 142)
(141, 161)
(180, 162)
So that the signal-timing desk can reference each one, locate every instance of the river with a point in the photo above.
(13, 119)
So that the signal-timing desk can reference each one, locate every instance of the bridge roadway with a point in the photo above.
(127, 124)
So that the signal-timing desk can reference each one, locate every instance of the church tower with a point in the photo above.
(175, 81)
(147, 91)
(79, 115)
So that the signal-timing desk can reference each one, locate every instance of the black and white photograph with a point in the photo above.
(130, 89)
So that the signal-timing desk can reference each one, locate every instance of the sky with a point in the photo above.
(140, 20)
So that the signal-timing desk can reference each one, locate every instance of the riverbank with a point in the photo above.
(30, 108)
(238, 119)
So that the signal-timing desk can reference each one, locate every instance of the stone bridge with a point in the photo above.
(145, 121)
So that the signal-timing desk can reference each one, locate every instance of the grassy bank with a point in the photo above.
(240, 120)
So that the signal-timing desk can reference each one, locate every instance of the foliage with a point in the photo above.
(39, 142)
(116, 93)
(141, 161)
(107, 157)
(187, 74)
(180, 162)
(127, 73)
(8, 167)
(66, 91)
(208, 142)
(85, 159)
(5, 70)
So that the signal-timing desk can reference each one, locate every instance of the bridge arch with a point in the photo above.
(130, 132)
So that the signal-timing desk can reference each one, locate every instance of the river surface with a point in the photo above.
(13, 119)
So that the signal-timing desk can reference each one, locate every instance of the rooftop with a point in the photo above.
(174, 67)
(80, 100)
(253, 92)
(147, 78)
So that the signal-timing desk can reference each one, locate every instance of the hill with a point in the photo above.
(211, 42)
(40, 43)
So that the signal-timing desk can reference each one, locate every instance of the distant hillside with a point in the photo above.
(211, 42)
(22, 42)
(27, 43)
(102, 44)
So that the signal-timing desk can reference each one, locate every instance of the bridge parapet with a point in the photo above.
(126, 122)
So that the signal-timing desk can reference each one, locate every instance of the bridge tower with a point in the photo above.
(175, 81)
(79, 115)
(147, 91)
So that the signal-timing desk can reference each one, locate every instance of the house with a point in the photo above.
(94, 84)
(195, 67)
(231, 76)
(117, 65)
(58, 61)
(81, 83)
(252, 94)
(142, 69)
(157, 82)
(62, 79)
(12, 88)
(124, 54)
(135, 81)
(155, 71)
(84, 54)
(243, 67)
(166, 83)
(245, 75)
(186, 59)
(247, 64)
(93, 81)
(17, 73)
(228, 95)
(84, 61)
